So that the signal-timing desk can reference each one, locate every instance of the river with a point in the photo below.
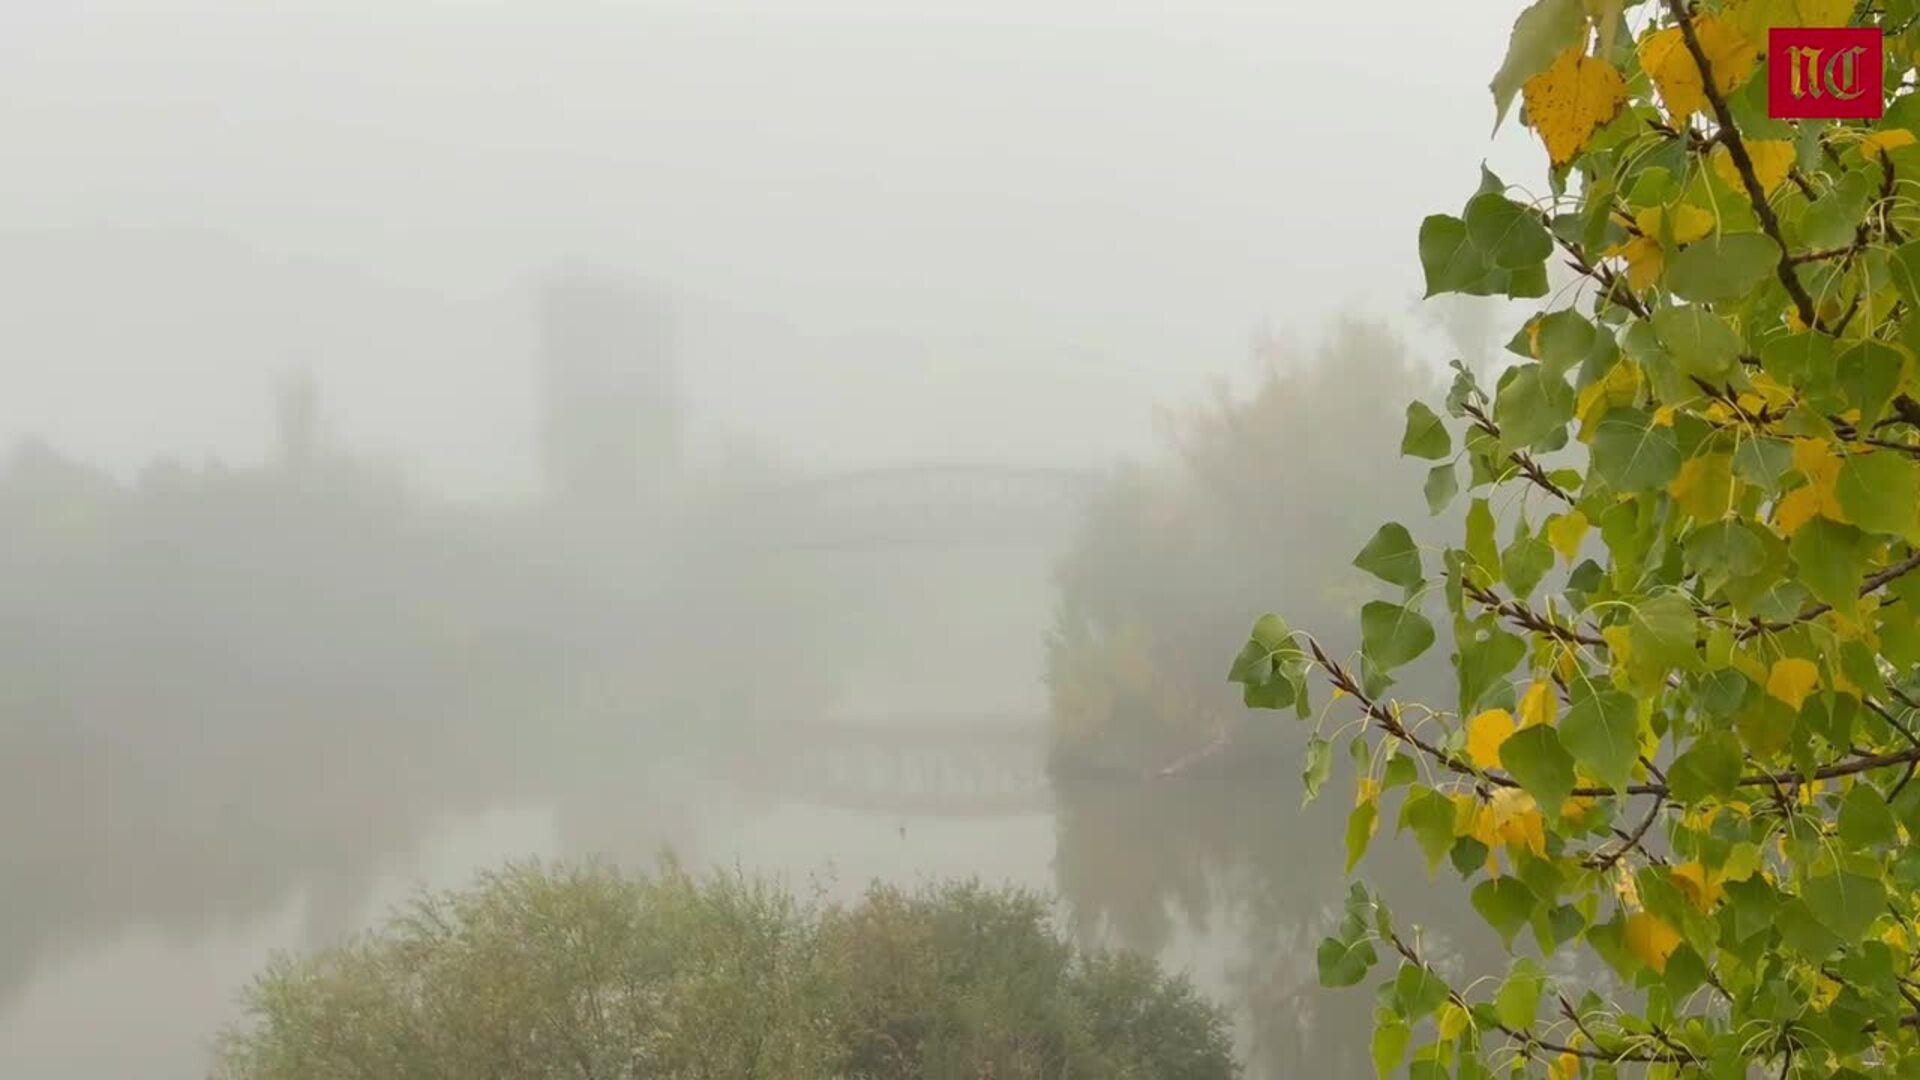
(147, 879)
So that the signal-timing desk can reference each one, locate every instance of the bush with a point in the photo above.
(543, 972)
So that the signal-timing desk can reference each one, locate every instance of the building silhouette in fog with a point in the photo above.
(610, 398)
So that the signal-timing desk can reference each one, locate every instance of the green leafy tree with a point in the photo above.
(1683, 611)
(546, 972)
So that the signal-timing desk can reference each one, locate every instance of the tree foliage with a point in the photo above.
(1160, 577)
(541, 972)
(1682, 615)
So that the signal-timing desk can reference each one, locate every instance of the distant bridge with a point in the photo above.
(934, 505)
(966, 766)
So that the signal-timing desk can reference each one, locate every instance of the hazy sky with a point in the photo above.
(892, 229)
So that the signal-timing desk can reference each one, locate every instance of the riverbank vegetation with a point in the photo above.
(541, 971)
(1260, 495)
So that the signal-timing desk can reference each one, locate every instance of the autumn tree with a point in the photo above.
(1683, 611)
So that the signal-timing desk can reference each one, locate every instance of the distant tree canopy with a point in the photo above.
(541, 972)
(1265, 494)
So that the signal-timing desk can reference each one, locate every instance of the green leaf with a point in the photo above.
(1391, 635)
(1844, 902)
(1868, 372)
(1448, 258)
(1519, 999)
(1876, 490)
(1722, 267)
(1904, 265)
(1390, 1038)
(1484, 662)
(1391, 556)
(1430, 816)
(1417, 992)
(1344, 963)
(1802, 361)
(1664, 633)
(1426, 435)
(1319, 767)
(1865, 820)
(1508, 235)
(1360, 825)
(1832, 561)
(1762, 462)
(1602, 732)
(1525, 562)
(1532, 405)
(1506, 903)
(1534, 757)
(1725, 550)
(1708, 769)
(1269, 666)
(1701, 343)
(1543, 31)
(1443, 483)
(1481, 546)
(1631, 454)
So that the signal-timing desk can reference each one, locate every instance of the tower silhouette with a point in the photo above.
(610, 431)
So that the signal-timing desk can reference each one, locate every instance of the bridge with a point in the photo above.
(947, 766)
(928, 505)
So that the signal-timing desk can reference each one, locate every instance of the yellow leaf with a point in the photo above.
(1451, 1021)
(1565, 532)
(1624, 886)
(1702, 888)
(1665, 56)
(1896, 936)
(1771, 392)
(1485, 733)
(1792, 679)
(1816, 461)
(1644, 259)
(1570, 100)
(1663, 416)
(1799, 506)
(1652, 940)
(1471, 817)
(1538, 705)
(1511, 818)
(1575, 808)
(1888, 140)
(1772, 159)
(1825, 990)
(1689, 223)
(1705, 487)
(1619, 639)
(1619, 388)
(1368, 788)
(1564, 1067)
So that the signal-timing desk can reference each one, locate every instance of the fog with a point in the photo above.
(894, 292)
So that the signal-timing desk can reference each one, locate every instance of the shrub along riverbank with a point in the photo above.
(542, 972)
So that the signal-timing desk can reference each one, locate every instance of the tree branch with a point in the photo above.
(1873, 582)
(1743, 163)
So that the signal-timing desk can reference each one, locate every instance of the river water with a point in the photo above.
(142, 895)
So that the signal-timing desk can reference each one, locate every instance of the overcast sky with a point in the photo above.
(892, 229)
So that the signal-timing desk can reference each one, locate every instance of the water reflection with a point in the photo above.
(1231, 859)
